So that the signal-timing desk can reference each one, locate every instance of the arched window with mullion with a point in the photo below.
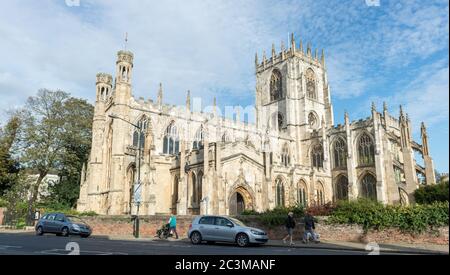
(317, 156)
(340, 154)
(366, 150)
(280, 197)
(276, 86)
(139, 134)
(171, 143)
(342, 189)
(369, 187)
(198, 140)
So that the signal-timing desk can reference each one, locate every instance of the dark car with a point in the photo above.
(63, 225)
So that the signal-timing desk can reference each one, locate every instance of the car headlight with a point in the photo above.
(76, 227)
(259, 233)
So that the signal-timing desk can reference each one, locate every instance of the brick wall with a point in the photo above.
(123, 226)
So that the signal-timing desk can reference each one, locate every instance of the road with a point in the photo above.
(29, 244)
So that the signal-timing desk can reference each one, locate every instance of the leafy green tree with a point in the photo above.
(432, 193)
(77, 145)
(9, 167)
(42, 140)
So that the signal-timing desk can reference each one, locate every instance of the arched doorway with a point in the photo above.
(240, 201)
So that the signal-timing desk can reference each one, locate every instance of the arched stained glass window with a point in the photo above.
(342, 189)
(369, 187)
(280, 202)
(340, 154)
(366, 150)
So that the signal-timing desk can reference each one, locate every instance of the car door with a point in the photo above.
(225, 230)
(59, 223)
(206, 228)
(49, 224)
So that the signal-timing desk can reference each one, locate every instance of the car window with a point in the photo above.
(206, 220)
(51, 217)
(222, 222)
(44, 218)
(60, 218)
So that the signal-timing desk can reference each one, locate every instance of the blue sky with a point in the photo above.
(395, 52)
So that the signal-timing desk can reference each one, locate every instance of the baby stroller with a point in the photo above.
(164, 233)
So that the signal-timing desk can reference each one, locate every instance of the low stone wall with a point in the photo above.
(123, 226)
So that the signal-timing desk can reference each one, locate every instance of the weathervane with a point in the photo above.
(126, 40)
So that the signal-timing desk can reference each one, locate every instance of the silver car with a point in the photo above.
(224, 229)
(62, 225)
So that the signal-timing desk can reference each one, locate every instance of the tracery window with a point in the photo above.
(301, 194)
(311, 84)
(198, 140)
(366, 150)
(285, 156)
(320, 193)
(342, 189)
(171, 144)
(317, 156)
(312, 121)
(139, 134)
(369, 187)
(280, 202)
(340, 154)
(276, 87)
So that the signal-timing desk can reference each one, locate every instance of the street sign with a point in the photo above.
(137, 193)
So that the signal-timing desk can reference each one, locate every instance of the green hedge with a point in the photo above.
(275, 217)
(373, 215)
(432, 193)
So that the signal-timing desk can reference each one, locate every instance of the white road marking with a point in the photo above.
(65, 252)
(6, 247)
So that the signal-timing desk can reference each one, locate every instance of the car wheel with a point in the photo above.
(196, 238)
(242, 240)
(39, 231)
(65, 232)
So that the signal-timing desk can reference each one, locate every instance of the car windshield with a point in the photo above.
(238, 222)
(75, 220)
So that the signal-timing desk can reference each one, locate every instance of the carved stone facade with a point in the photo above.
(201, 163)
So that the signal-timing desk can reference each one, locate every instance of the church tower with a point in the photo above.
(292, 94)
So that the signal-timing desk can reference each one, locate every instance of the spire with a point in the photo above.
(385, 107)
(283, 50)
(273, 52)
(374, 107)
(322, 58)
(215, 106)
(308, 50)
(316, 54)
(188, 101)
(293, 42)
(301, 46)
(264, 58)
(346, 117)
(402, 115)
(160, 95)
(423, 129)
(256, 60)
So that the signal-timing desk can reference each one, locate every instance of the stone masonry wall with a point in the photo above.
(123, 226)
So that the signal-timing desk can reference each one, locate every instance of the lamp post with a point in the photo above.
(137, 185)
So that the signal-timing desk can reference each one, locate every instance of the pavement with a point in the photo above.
(13, 242)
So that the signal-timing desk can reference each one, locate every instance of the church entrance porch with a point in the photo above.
(240, 201)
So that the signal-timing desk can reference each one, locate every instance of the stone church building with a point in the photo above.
(153, 158)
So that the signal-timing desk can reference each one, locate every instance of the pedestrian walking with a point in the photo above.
(310, 229)
(173, 226)
(290, 225)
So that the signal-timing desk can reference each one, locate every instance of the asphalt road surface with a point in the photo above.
(29, 244)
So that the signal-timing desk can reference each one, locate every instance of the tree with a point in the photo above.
(9, 167)
(42, 142)
(76, 140)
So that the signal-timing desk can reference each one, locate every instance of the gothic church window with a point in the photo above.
(312, 121)
(280, 202)
(198, 140)
(340, 154)
(311, 84)
(342, 189)
(369, 187)
(301, 194)
(366, 150)
(276, 87)
(139, 134)
(320, 194)
(285, 156)
(317, 156)
(171, 144)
